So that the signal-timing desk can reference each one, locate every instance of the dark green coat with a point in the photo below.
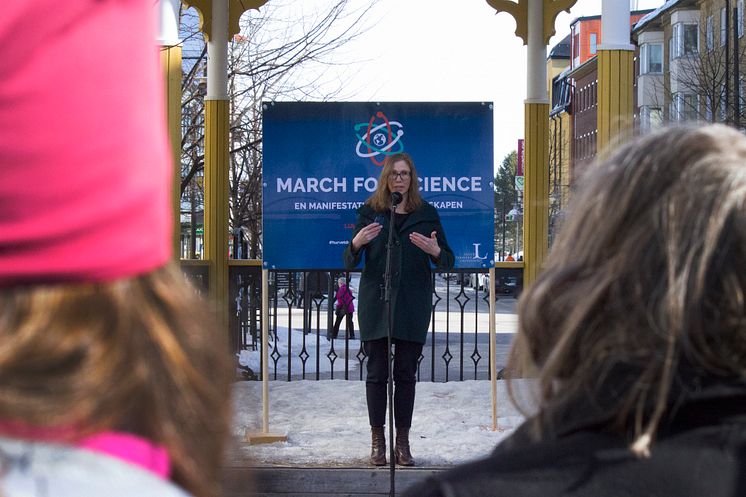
(411, 280)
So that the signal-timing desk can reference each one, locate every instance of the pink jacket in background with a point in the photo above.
(345, 299)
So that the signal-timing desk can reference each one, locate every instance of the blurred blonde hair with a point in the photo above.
(645, 287)
(136, 355)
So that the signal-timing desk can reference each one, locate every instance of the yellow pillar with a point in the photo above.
(219, 19)
(536, 190)
(216, 205)
(615, 104)
(535, 25)
(171, 62)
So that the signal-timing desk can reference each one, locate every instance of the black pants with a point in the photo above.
(406, 355)
(348, 323)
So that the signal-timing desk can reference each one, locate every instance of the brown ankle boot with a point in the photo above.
(378, 446)
(403, 455)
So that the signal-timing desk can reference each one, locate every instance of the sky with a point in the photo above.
(446, 50)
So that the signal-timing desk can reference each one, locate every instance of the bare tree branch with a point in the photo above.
(283, 52)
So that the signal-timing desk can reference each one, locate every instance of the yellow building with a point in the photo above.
(560, 130)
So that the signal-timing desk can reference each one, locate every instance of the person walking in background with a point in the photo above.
(112, 380)
(637, 329)
(419, 243)
(345, 308)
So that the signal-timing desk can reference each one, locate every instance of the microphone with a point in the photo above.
(396, 199)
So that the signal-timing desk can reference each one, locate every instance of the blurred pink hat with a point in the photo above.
(84, 162)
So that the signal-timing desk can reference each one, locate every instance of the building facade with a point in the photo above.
(574, 114)
(560, 130)
(692, 55)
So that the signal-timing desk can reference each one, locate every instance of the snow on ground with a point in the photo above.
(326, 421)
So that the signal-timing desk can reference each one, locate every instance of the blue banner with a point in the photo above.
(322, 161)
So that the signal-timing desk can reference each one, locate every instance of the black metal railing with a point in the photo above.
(245, 307)
(198, 274)
(301, 317)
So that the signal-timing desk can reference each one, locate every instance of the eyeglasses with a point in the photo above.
(401, 174)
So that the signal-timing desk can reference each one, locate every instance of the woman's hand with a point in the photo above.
(365, 235)
(428, 245)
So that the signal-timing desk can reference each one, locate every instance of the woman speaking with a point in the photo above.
(418, 243)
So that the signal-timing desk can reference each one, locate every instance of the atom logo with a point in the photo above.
(378, 138)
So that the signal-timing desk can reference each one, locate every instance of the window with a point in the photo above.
(656, 117)
(708, 108)
(723, 27)
(645, 117)
(576, 49)
(594, 43)
(560, 92)
(651, 58)
(594, 96)
(685, 39)
(594, 143)
(691, 39)
(709, 34)
(723, 109)
(684, 107)
(585, 97)
(691, 107)
(672, 110)
(739, 18)
(671, 51)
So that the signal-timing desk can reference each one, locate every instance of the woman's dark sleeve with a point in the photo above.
(351, 260)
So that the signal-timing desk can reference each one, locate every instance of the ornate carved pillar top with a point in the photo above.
(235, 9)
(519, 10)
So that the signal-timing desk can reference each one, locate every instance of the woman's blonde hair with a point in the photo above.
(380, 201)
(643, 293)
(136, 355)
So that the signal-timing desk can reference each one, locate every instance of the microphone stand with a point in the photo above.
(395, 199)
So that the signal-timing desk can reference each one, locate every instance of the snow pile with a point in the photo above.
(326, 421)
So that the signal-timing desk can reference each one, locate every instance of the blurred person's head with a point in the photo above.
(99, 331)
(643, 294)
(135, 354)
(398, 174)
